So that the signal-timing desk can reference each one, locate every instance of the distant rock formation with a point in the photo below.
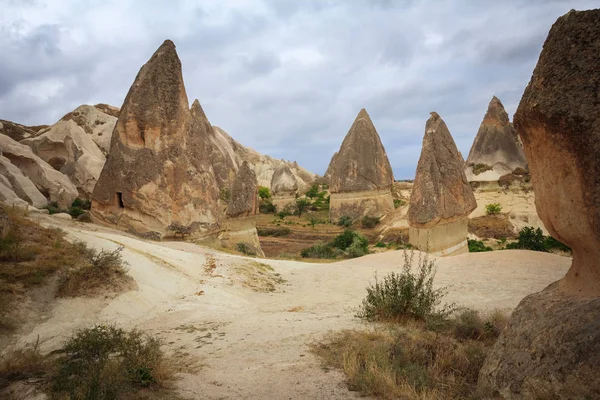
(157, 173)
(551, 345)
(19, 132)
(360, 175)
(263, 166)
(284, 186)
(240, 225)
(72, 146)
(442, 199)
(496, 150)
(29, 178)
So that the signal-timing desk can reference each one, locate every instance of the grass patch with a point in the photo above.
(274, 232)
(492, 226)
(21, 364)
(259, 277)
(98, 272)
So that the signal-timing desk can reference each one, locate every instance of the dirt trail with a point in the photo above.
(253, 345)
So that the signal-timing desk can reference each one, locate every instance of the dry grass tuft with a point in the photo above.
(492, 226)
(24, 363)
(259, 277)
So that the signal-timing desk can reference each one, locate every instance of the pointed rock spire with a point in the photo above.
(157, 173)
(361, 163)
(284, 181)
(440, 191)
(496, 143)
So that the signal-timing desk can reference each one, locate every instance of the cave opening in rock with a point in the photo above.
(119, 196)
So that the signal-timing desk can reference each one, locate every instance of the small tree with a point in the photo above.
(301, 204)
(493, 209)
(313, 191)
(313, 221)
(264, 193)
(344, 221)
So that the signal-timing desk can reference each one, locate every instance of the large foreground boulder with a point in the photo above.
(360, 176)
(240, 224)
(157, 173)
(29, 176)
(551, 346)
(442, 199)
(496, 150)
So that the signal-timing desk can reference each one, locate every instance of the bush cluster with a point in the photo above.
(534, 239)
(347, 244)
(344, 221)
(369, 222)
(477, 246)
(78, 207)
(493, 209)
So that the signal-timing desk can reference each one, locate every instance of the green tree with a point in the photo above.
(493, 209)
(264, 193)
(313, 191)
(301, 204)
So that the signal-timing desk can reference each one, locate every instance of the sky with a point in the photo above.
(285, 77)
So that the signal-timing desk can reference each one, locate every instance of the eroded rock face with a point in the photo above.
(442, 198)
(359, 174)
(157, 172)
(496, 150)
(240, 225)
(69, 146)
(243, 201)
(284, 186)
(52, 184)
(551, 344)
(19, 132)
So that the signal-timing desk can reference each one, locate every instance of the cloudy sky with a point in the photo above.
(286, 77)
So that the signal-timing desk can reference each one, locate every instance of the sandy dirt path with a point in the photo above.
(253, 345)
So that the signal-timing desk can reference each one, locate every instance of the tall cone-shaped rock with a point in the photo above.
(441, 199)
(551, 345)
(240, 225)
(284, 186)
(496, 150)
(360, 176)
(157, 172)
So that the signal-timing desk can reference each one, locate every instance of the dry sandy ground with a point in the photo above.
(253, 345)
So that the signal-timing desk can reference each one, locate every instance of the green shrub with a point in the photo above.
(359, 247)
(302, 204)
(264, 192)
(529, 239)
(399, 203)
(106, 362)
(344, 240)
(266, 207)
(275, 232)
(225, 194)
(53, 208)
(481, 168)
(84, 204)
(552, 244)
(319, 250)
(344, 221)
(477, 246)
(380, 245)
(369, 222)
(493, 209)
(246, 249)
(406, 295)
(313, 191)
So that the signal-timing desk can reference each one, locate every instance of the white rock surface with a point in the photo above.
(51, 183)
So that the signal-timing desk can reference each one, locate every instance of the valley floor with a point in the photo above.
(253, 344)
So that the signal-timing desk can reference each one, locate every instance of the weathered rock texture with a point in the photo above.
(284, 186)
(496, 150)
(551, 346)
(442, 198)
(157, 172)
(263, 166)
(97, 122)
(19, 132)
(29, 177)
(360, 176)
(71, 146)
(240, 225)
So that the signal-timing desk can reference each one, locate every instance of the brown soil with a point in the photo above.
(492, 226)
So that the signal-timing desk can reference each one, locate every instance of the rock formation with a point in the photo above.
(496, 150)
(284, 186)
(157, 173)
(551, 345)
(19, 132)
(240, 225)
(442, 199)
(28, 176)
(71, 146)
(360, 175)
(263, 166)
